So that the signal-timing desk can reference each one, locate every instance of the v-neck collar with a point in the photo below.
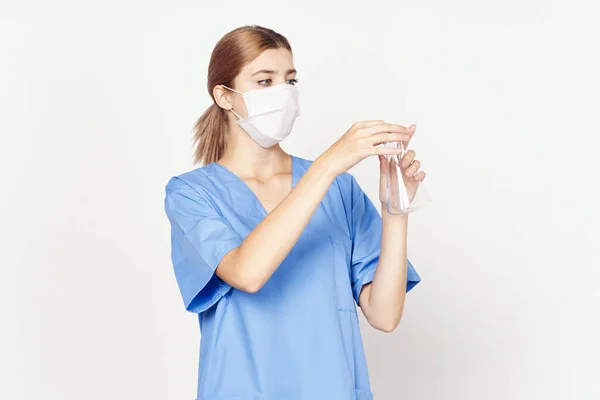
(247, 188)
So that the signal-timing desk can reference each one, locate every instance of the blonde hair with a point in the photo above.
(236, 49)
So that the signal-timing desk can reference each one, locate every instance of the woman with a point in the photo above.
(274, 252)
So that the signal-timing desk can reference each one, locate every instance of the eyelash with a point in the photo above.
(293, 81)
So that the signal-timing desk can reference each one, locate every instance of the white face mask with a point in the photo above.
(271, 113)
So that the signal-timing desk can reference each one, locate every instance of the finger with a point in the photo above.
(382, 127)
(386, 137)
(408, 158)
(363, 124)
(411, 131)
(420, 176)
(414, 167)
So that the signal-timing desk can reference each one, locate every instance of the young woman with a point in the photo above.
(274, 252)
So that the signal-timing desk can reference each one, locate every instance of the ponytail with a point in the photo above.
(209, 135)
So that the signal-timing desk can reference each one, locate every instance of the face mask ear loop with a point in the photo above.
(234, 113)
(233, 90)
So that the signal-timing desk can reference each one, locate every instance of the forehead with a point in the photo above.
(279, 60)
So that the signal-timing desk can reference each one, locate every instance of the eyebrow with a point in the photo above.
(269, 71)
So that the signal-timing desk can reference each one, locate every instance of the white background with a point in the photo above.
(97, 103)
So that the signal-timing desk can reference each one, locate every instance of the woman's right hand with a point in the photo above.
(361, 141)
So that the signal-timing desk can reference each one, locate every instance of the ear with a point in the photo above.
(222, 97)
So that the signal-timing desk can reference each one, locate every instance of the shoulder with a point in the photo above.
(192, 181)
(188, 197)
(190, 193)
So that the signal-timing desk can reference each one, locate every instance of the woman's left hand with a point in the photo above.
(409, 167)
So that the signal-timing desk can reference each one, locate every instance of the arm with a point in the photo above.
(382, 301)
(249, 266)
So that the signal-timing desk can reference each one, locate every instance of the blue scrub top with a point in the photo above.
(298, 337)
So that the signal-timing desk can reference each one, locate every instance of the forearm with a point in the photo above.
(386, 294)
(250, 266)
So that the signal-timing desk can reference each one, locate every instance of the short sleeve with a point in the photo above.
(200, 238)
(366, 226)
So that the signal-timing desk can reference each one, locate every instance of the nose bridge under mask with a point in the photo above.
(260, 101)
(267, 100)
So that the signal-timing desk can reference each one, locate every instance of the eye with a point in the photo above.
(292, 81)
(265, 82)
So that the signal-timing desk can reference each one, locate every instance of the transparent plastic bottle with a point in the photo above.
(402, 198)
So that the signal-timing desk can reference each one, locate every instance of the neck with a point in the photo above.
(246, 158)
